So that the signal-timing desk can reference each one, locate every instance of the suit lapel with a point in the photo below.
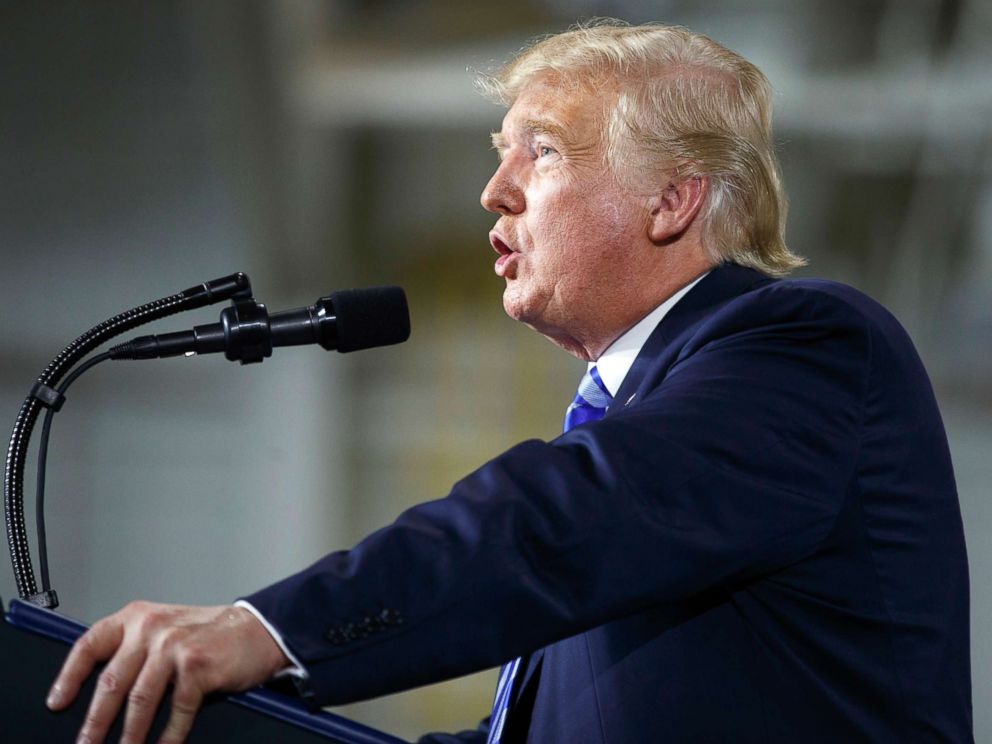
(721, 285)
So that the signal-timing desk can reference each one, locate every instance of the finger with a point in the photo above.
(186, 699)
(95, 645)
(144, 698)
(111, 688)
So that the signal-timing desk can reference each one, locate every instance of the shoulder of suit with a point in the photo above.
(807, 298)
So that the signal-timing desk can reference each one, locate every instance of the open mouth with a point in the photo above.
(499, 246)
(506, 255)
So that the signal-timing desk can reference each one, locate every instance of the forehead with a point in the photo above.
(567, 113)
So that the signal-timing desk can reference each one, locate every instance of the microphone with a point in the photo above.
(348, 320)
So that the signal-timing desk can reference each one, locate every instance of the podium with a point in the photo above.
(34, 643)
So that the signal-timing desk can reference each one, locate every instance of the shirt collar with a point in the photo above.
(614, 363)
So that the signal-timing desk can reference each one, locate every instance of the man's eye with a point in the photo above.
(543, 150)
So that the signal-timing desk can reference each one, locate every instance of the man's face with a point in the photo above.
(570, 237)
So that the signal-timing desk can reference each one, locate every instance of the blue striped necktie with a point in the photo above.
(590, 404)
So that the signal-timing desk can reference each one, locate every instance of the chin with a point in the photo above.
(525, 309)
(528, 310)
(518, 306)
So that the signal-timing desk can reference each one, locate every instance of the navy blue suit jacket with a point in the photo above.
(761, 542)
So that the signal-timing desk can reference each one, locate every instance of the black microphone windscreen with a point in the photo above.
(373, 316)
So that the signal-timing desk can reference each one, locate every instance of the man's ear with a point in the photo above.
(674, 209)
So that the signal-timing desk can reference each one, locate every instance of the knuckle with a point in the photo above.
(98, 627)
(87, 641)
(186, 704)
(141, 698)
(137, 606)
(171, 640)
(108, 681)
(190, 659)
(147, 621)
(91, 724)
(133, 612)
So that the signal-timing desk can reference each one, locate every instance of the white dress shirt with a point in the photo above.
(614, 363)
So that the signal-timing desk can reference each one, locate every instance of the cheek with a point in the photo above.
(605, 243)
(560, 219)
(579, 235)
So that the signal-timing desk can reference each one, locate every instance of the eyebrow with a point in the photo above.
(531, 127)
(543, 126)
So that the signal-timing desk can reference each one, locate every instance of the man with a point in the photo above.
(748, 532)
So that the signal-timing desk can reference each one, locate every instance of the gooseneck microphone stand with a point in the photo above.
(46, 394)
(32, 638)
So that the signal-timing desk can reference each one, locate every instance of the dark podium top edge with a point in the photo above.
(40, 621)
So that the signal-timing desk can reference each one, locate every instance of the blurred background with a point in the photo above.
(319, 145)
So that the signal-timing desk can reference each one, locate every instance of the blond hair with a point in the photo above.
(676, 102)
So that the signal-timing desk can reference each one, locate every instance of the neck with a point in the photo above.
(621, 310)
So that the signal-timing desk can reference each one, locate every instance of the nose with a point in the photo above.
(502, 194)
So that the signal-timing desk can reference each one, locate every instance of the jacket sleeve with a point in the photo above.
(732, 464)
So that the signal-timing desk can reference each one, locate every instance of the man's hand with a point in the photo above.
(197, 649)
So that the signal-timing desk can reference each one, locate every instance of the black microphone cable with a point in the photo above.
(39, 505)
